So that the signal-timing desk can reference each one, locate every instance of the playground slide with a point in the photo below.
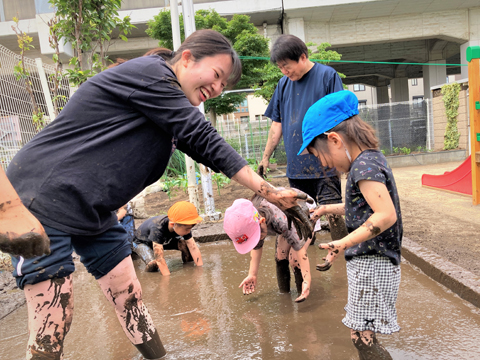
(458, 180)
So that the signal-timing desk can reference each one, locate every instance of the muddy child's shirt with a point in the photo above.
(278, 225)
(113, 138)
(155, 230)
(371, 165)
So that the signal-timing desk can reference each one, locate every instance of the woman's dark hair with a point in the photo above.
(288, 47)
(202, 43)
(354, 131)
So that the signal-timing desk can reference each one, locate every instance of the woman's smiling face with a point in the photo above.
(204, 79)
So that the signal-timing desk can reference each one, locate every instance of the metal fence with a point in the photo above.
(401, 128)
(16, 108)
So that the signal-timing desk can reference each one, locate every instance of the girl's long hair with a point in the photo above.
(354, 131)
(264, 211)
(202, 43)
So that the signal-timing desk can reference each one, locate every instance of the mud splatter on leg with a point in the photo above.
(50, 314)
(122, 288)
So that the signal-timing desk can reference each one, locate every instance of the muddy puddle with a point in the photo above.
(201, 313)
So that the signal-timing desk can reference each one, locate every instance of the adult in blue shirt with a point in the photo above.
(304, 83)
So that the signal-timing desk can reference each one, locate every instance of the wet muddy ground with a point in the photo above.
(201, 313)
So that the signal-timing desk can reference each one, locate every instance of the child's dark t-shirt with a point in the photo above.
(155, 230)
(371, 165)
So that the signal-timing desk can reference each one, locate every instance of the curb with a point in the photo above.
(462, 282)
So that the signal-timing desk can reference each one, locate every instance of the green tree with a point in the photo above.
(88, 25)
(241, 33)
(270, 75)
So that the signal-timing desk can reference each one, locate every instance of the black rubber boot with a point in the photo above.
(298, 279)
(152, 349)
(283, 275)
(338, 229)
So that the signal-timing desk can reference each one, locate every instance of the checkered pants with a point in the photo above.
(373, 283)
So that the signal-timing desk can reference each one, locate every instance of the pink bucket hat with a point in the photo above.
(242, 225)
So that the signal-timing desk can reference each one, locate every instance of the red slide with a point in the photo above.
(458, 180)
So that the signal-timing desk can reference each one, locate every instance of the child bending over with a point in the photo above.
(335, 134)
(247, 223)
(170, 232)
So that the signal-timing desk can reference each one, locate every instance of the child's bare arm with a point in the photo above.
(304, 263)
(195, 251)
(335, 209)
(250, 282)
(159, 259)
(378, 198)
(122, 212)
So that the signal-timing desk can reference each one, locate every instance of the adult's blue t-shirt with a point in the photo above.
(288, 106)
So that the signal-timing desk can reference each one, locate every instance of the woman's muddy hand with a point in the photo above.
(21, 234)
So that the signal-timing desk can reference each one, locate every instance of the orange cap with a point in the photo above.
(183, 212)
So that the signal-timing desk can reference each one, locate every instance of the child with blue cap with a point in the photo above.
(338, 137)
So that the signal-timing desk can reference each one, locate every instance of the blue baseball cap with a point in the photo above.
(327, 113)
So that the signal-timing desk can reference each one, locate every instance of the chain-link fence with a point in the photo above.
(249, 137)
(401, 128)
(16, 102)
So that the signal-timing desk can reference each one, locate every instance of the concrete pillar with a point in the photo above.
(399, 87)
(474, 38)
(433, 75)
(296, 26)
(382, 95)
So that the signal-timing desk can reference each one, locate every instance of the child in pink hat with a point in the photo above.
(247, 223)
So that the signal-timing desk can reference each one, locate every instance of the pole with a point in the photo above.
(473, 58)
(189, 163)
(206, 174)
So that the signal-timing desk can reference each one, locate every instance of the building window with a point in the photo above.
(362, 104)
(358, 87)
(417, 101)
(414, 82)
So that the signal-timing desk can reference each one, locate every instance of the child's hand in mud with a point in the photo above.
(249, 284)
(21, 234)
(305, 292)
(335, 248)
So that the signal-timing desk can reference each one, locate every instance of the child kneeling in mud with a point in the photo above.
(248, 223)
(334, 133)
(168, 232)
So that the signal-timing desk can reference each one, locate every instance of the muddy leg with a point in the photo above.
(186, 256)
(338, 229)
(368, 346)
(123, 290)
(50, 313)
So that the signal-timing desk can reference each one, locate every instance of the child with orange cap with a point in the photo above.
(168, 232)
